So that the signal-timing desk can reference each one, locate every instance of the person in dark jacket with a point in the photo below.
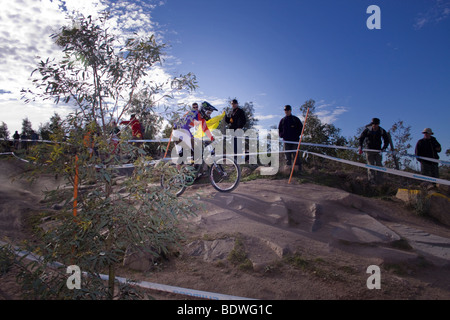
(34, 137)
(374, 135)
(290, 128)
(236, 119)
(24, 141)
(428, 147)
(16, 138)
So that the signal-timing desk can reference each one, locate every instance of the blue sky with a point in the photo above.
(286, 52)
(274, 53)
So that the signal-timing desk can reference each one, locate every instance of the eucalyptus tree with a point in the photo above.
(4, 136)
(400, 144)
(103, 78)
(316, 131)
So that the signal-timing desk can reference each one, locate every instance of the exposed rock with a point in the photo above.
(440, 208)
(245, 171)
(435, 248)
(438, 205)
(138, 260)
(286, 170)
(407, 195)
(213, 250)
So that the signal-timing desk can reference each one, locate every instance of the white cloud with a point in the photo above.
(328, 112)
(84, 7)
(261, 117)
(440, 10)
(13, 111)
(259, 127)
(25, 29)
(199, 97)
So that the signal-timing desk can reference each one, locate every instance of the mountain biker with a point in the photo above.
(190, 120)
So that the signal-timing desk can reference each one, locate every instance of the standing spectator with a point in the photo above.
(236, 120)
(16, 138)
(34, 137)
(290, 129)
(136, 129)
(374, 134)
(23, 141)
(136, 132)
(428, 147)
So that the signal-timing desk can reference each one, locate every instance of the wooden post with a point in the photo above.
(298, 147)
(167, 149)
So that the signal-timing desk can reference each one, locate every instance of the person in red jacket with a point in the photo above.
(136, 129)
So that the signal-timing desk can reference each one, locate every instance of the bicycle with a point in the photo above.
(224, 174)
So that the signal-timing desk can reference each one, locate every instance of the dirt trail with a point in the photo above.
(299, 241)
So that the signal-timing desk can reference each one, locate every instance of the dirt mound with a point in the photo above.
(19, 196)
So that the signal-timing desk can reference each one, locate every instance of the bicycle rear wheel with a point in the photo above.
(225, 174)
(175, 181)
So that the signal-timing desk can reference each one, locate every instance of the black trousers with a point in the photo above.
(290, 156)
(429, 168)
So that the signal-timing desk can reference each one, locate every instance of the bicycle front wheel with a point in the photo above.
(225, 174)
(175, 181)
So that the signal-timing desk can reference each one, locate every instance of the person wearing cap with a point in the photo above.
(236, 119)
(290, 128)
(374, 136)
(428, 147)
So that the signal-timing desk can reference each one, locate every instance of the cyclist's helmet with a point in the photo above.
(204, 108)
